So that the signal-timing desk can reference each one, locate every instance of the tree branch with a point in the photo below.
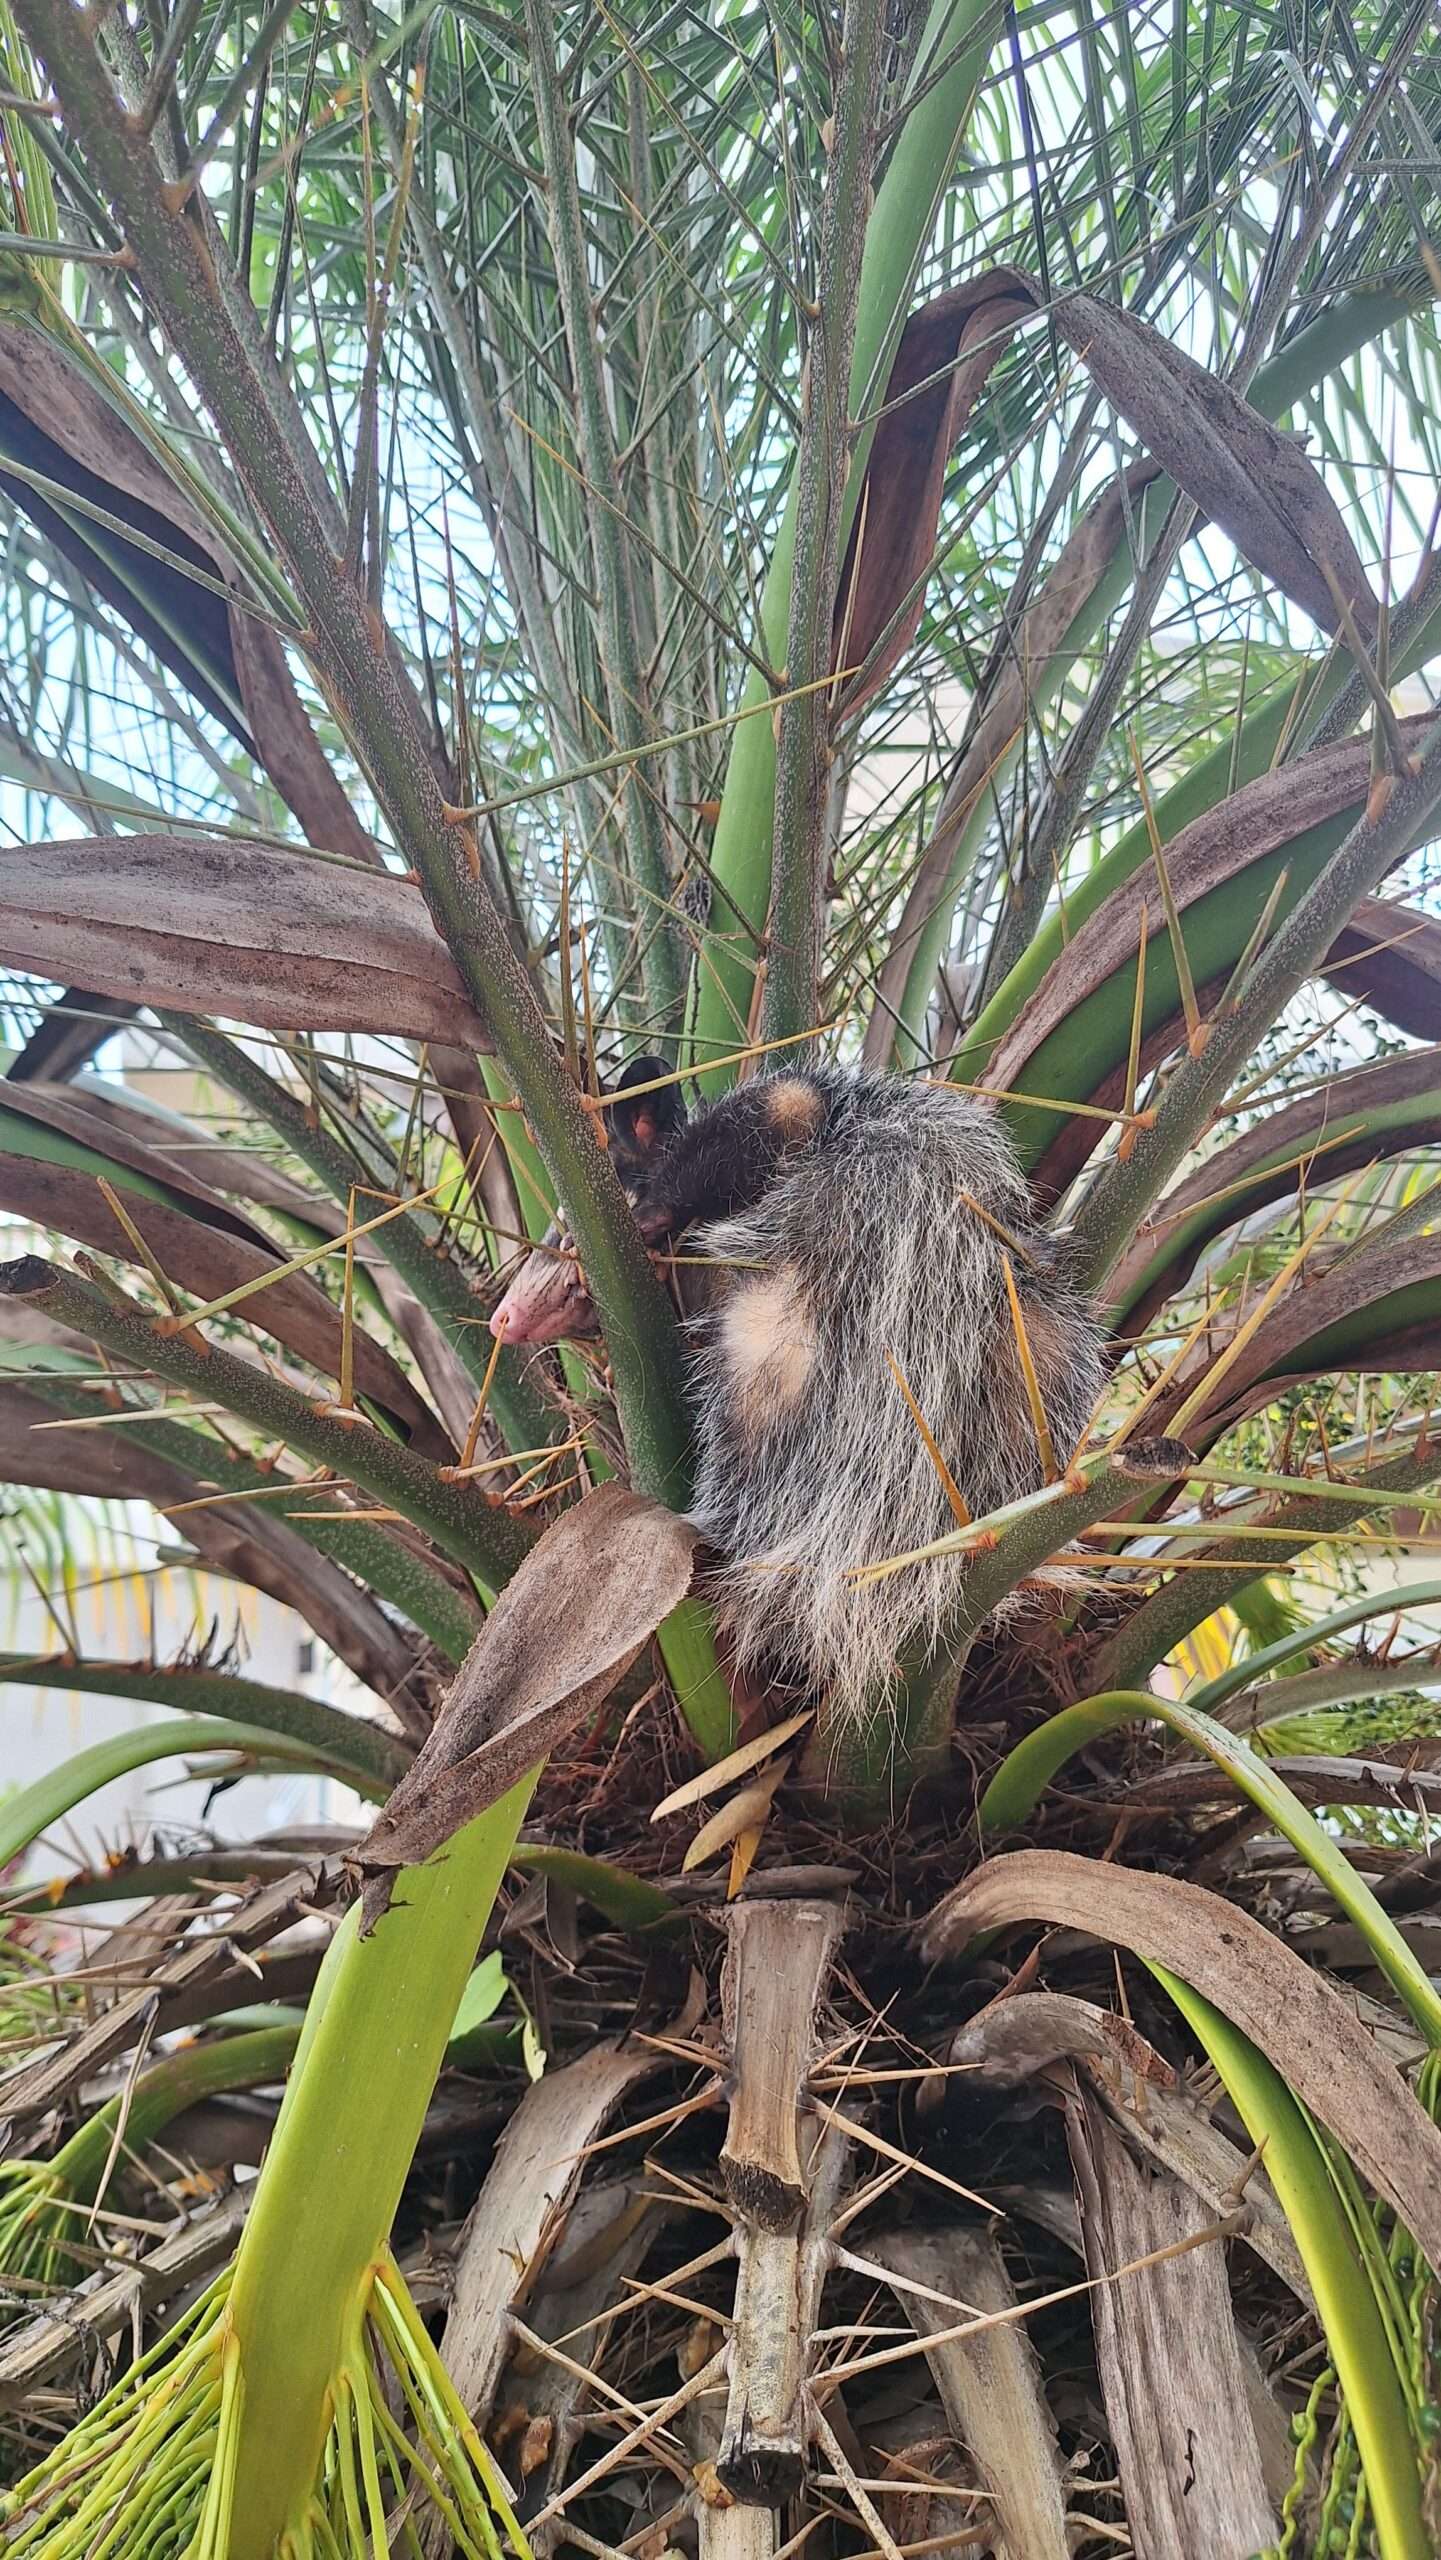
(465, 1524)
(435, 1280)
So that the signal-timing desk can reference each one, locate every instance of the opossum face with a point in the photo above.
(727, 1157)
(548, 1301)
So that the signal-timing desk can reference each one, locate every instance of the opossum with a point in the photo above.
(852, 1226)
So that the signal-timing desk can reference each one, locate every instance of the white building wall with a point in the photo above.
(123, 1613)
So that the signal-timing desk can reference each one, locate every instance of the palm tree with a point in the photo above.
(537, 536)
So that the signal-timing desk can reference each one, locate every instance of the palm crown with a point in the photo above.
(535, 537)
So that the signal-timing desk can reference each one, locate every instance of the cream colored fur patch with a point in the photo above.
(794, 1108)
(768, 1341)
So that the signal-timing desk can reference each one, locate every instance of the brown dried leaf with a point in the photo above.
(1391, 955)
(176, 1153)
(1374, 1309)
(591, 1592)
(57, 421)
(1291, 2014)
(945, 354)
(1266, 1163)
(1014, 2040)
(79, 1461)
(182, 1154)
(536, 2170)
(68, 1034)
(247, 1542)
(1212, 853)
(184, 1157)
(64, 407)
(292, 754)
(1253, 481)
(125, 1135)
(206, 1261)
(989, 2384)
(236, 929)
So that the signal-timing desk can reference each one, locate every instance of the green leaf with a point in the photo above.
(630, 1902)
(488, 1986)
(31, 1811)
(1350, 2314)
(363, 1754)
(1027, 1770)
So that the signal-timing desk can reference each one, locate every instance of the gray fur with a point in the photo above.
(888, 1259)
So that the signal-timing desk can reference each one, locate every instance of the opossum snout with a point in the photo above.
(547, 1301)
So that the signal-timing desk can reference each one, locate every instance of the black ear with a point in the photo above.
(639, 1129)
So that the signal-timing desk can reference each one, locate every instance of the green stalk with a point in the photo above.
(1350, 2315)
(364, 1754)
(1026, 1771)
(463, 1523)
(876, 1764)
(335, 2170)
(958, 32)
(663, 955)
(407, 1243)
(687, 1648)
(803, 744)
(30, 160)
(1297, 1714)
(397, 1574)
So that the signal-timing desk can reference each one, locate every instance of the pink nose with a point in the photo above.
(500, 1324)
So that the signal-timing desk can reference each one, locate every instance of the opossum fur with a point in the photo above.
(855, 1240)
